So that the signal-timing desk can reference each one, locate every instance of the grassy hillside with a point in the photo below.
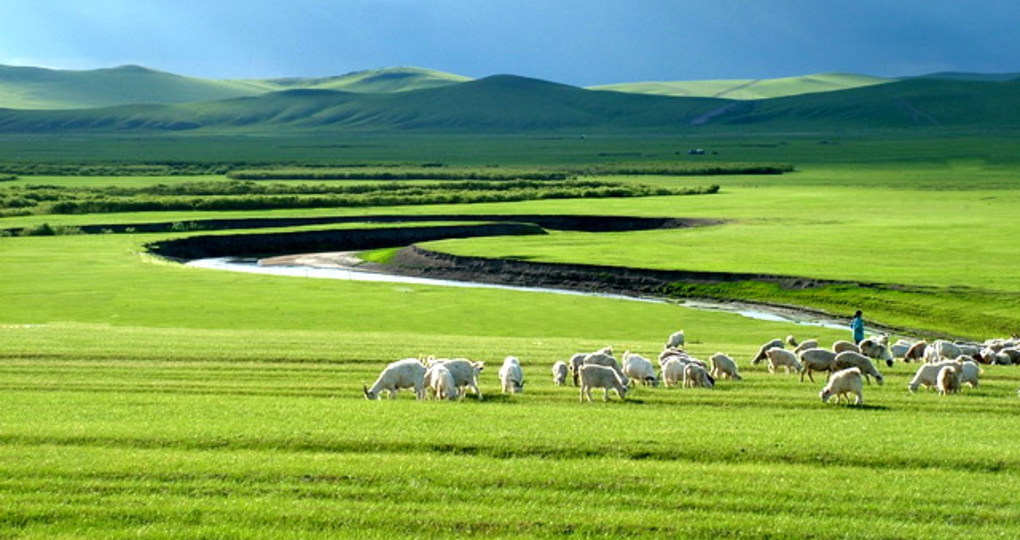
(749, 88)
(399, 79)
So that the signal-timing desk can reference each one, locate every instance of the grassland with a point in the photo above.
(140, 398)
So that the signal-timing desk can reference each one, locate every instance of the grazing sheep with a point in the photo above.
(559, 371)
(465, 373)
(947, 381)
(775, 343)
(670, 352)
(927, 374)
(816, 359)
(511, 376)
(875, 349)
(848, 359)
(843, 345)
(1008, 355)
(406, 373)
(676, 340)
(576, 362)
(900, 348)
(695, 375)
(723, 365)
(791, 341)
(782, 358)
(604, 377)
(916, 351)
(672, 371)
(842, 383)
(605, 357)
(805, 345)
(969, 371)
(941, 350)
(440, 380)
(638, 368)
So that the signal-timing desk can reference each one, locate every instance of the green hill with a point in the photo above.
(508, 103)
(400, 79)
(745, 89)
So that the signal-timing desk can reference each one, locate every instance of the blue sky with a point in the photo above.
(580, 42)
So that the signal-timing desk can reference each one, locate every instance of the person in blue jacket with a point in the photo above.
(857, 325)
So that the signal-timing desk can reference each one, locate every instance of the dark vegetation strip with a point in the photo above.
(205, 196)
(634, 450)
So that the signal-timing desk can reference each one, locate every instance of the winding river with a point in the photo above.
(344, 266)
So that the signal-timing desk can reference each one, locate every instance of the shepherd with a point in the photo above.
(857, 326)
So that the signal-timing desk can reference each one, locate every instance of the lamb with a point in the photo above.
(723, 365)
(927, 374)
(805, 345)
(695, 375)
(816, 359)
(843, 345)
(676, 340)
(406, 373)
(947, 381)
(916, 351)
(779, 357)
(844, 382)
(775, 343)
(465, 373)
(848, 359)
(639, 368)
(559, 371)
(440, 380)
(511, 376)
(604, 377)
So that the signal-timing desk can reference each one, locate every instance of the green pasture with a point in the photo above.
(143, 398)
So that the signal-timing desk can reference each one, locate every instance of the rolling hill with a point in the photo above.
(750, 88)
(507, 103)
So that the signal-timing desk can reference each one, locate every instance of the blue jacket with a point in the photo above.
(857, 325)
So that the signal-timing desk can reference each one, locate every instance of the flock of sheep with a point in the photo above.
(945, 366)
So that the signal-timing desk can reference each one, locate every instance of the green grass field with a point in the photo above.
(141, 398)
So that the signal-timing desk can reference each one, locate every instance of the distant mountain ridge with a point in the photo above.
(512, 104)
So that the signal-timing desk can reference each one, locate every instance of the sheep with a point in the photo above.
(695, 375)
(1008, 355)
(779, 357)
(639, 368)
(900, 348)
(559, 371)
(604, 357)
(604, 377)
(941, 350)
(875, 349)
(511, 376)
(724, 365)
(406, 373)
(575, 364)
(775, 343)
(848, 359)
(465, 373)
(927, 374)
(947, 381)
(791, 341)
(805, 345)
(844, 382)
(672, 371)
(843, 345)
(670, 352)
(816, 359)
(676, 340)
(440, 380)
(916, 351)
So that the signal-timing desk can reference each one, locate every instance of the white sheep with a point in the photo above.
(465, 373)
(440, 380)
(927, 374)
(874, 348)
(940, 350)
(724, 365)
(511, 376)
(775, 343)
(638, 368)
(559, 372)
(900, 348)
(842, 383)
(843, 345)
(848, 359)
(969, 371)
(947, 381)
(695, 375)
(604, 357)
(406, 373)
(670, 352)
(575, 364)
(672, 371)
(604, 377)
(816, 359)
(805, 345)
(676, 340)
(779, 357)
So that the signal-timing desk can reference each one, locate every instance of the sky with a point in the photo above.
(578, 42)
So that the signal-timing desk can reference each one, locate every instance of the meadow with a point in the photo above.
(142, 398)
